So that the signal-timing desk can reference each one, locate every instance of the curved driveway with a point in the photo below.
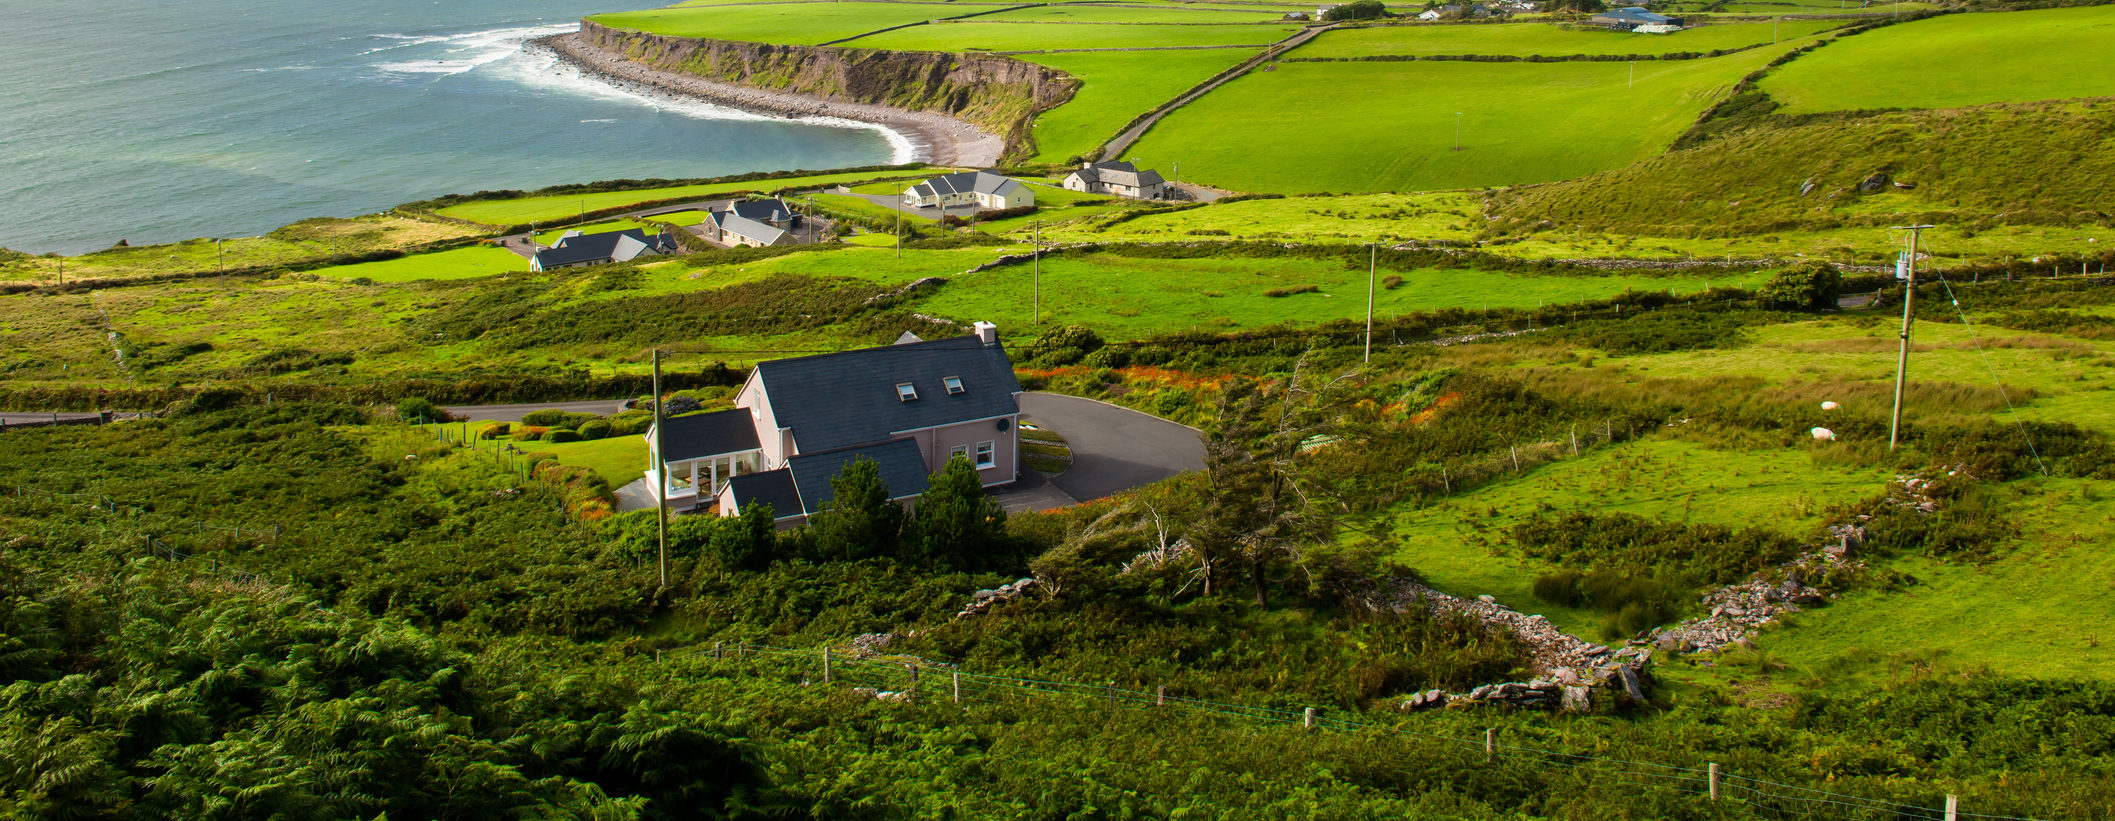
(1113, 448)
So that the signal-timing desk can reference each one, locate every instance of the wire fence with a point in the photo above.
(908, 679)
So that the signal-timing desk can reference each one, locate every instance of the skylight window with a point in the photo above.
(954, 385)
(905, 391)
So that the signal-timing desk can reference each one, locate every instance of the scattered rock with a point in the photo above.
(1876, 182)
(1807, 187)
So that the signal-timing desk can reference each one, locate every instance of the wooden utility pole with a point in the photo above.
(1909, 299)
(660, 476)
(899, 219)
(1035, 272)
(1373, 263)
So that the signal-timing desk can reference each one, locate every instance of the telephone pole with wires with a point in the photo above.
(1908, 272)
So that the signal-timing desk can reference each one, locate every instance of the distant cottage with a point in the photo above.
(752, 223)
(574, 249)
(982, 188)
(910, 407)
(1627, 19)
(1117, 179)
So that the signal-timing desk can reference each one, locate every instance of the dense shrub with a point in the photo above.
(631, 422)
(1624, 545)
(529, 433)
(1810, 286)
(1064, 345)
(557, 435)
(595, 429)
(543, 418)
(1633, 603)
(494, 430)
(1293, 289)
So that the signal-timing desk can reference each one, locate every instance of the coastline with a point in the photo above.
(933, 138)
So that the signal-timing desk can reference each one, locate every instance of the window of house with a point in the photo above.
(906, 392)
(954, 385)
(987, 455)
(958, 452)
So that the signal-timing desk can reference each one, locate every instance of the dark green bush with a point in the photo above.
(420, 411)
(494, 430)
(561, 435)
(595, 429)
(548, 417)
(1627, 547)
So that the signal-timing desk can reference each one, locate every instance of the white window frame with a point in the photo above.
(987, 455)
(954, 385)
(906, 392)
(958, 450)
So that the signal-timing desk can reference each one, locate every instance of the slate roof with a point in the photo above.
(843, 399)
(574, 249)
(902, 470)
(964, 182)
(772, 487)
(706, 434)
(734, 223)
(1633, 14)
(771, 210)
(1118, 173)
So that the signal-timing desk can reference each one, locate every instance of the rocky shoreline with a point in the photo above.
(933, 138)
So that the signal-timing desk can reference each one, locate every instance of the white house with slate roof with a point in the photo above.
(574, 249)
(910, 407)
(1117, 179)
(982, 188)
(754, 223)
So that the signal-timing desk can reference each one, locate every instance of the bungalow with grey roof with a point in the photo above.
(574, 249)
(981, 188)
(754, 223)
(910, 407)
(1117, 179)
(1627, 19)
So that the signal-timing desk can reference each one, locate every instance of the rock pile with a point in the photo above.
(984, 600)
(1736, 610)
(871, 644)
(1572, 673)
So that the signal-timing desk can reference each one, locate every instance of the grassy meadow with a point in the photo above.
(977, 35)
(1956, 60)
(307, 241)
(551, 237)
(461, 263)
(792, 23)
(1127, 13)
(1548, 39)
(1118, 86)
(1365, 127)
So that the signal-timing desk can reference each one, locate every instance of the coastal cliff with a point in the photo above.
(997, 94)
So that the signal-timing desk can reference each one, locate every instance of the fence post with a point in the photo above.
(1109, 693)
(1307, 719)
(1160, 696)
(1575, 440)
(826, 665)
(1714, 781)
(913, 667)
(1490, 743)
(715, 650)
(1516, 457)
(1953, 807)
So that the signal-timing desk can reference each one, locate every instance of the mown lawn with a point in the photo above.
(975, 35)
(1118, 86)
(617, 459)
(1128, 13)
(1549, 39)
(1363, 127)
(560, 206)
(1956, 60)
(1458, 546)
(1128, 298)
(796, 24)
(461, 263)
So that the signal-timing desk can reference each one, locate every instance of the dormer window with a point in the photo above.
(906, 392)
(954, 385)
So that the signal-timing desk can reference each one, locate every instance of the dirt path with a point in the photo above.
(1123, 141)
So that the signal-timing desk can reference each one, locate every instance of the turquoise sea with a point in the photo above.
(171, 119)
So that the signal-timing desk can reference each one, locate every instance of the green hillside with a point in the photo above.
(1549, 39)
(1119, 85)
(1956, 60)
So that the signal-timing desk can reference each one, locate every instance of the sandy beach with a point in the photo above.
(934, 138)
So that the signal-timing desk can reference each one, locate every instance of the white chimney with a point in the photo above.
(987, 333)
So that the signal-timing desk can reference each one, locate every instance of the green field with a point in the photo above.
(682, 218)
(1524, 39)
(973, 35)
(1358, 127)
(1956, 60)
(1455, 544)
(553, 207)
(1117, 87)
(461, 263)
(551, 236)
(1126, 297)
(302, 242)
(1127, 13)
(795, 24)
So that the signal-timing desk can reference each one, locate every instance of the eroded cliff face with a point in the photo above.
(999, 94)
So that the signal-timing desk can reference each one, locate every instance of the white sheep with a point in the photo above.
(1830, 406)
(1824, 435)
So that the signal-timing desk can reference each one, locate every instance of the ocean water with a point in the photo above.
(171, 119)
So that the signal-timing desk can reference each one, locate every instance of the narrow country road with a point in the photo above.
(1122, 142)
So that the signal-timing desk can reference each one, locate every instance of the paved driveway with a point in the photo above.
(1113, 448)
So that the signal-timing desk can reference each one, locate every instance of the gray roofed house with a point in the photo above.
(754, 223)
(1626, 19)
(982, 188)
(575, 249)
(1117, 179)
(922, 401)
